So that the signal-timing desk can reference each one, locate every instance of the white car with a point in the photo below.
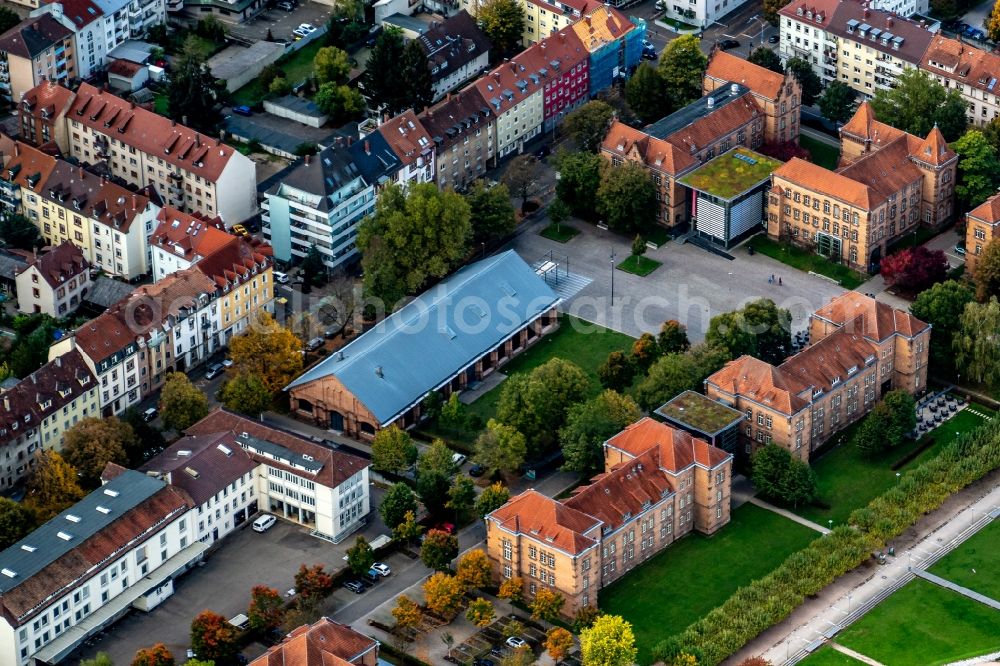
(382, 569)
(516, 642)
(305, 29)
(264, 523)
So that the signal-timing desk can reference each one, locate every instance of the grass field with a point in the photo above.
(641, 266)
(804, 260)
(978, 554)
(586, 344)
(560, 233)
(820, 153)
(698, 573)
(297, 67)
(827, 656)
(923, 624)
(845, 480)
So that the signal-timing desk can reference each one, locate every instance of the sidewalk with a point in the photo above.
(850, 596)
(791, 516)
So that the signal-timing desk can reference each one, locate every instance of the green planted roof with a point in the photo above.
(731, 174)
(699, 412)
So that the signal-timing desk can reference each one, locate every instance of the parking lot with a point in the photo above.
(224, 581)
(282, 23)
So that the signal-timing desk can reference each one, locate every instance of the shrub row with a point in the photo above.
(769, 600)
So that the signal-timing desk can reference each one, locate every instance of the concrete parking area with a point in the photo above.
(282, 23)
(224, 581)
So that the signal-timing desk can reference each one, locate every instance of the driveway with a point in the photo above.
(691, 286)
(282, 23)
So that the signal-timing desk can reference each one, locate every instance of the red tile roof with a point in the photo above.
(201, 465)
(125, 68)
(864, 127)
(988, 211)
(868, 317)
(33, 36)
(81, 12)
(655, 153)
(98, 198)
(407, 137)
(814, 177)
(189, 236)
(337, 465)
(623, 493)
(28, 167)
(60, 264)
(883, 172)
(323, 643)
(763, 383)
(831, 360)
(676, 448)
(104, 336)
(962, 63)
(46, 101)
(600, 25)
(151, 133)
(724, 67)
(545, 519)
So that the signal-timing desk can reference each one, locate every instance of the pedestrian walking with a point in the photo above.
(779, 280)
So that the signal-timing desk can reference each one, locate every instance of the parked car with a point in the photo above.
(264, 523)
(727, 44)
(516, 642)
(543, 152)
(371, 576)
(960, 249)
(646, 44)
(280, 277)
(287, 6)
(149, 414)
(227, 363)
(314, 344)
(477, 470)
(355, 586)
(382, 569)
(242, 110)
(305, 29)
(649, 54)
(214, 371)
(445, 527)
(773, 39)
(239, 229)
(457, 459)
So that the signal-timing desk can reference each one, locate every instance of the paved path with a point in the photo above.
(981, 659)
(854, 655)
(964, 591)
(791, 516)
(848, 598)
(822, 137)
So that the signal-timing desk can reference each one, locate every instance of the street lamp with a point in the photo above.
(849, 597)
(612, 277)
(830, 523)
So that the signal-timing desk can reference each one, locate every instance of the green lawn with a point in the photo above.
(827, 656)
(297, 68)
(586, 344)
(978, 554)
(160, 103)
(641, 266)
(698, 573)
(923, 624)
(846, 481)
(561, 233)
(804, 260)
(820, 153)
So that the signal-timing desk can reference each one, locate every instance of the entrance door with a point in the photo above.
(337, 421)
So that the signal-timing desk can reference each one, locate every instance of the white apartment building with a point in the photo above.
(296, 479)
(181, 240)
(119, 547)
(972, 72)
(54, 282)
(702, 13)
(37, 410)
(414, 147)
(516, 97)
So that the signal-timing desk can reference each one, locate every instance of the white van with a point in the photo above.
(280, 278)
(264, 523)
(457, 459)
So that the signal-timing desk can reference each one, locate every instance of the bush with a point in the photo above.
(769, 600)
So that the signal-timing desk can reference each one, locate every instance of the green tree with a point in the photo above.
(383, 78)
(437, 459)
(771, 8)
(193, 93)
(503, 23)
(546, 605)
(761, 329)
(360, 556)
(474, 569)
(617, 372)
(491, 499)
(246, 394)
(978, 168)
(588, 124)
(406, 613)
(558, 643)
(590, 424)
(536, 403)
(904, 410)
(993, 24)
(182, 404)
(917, 102)
(279, 87)
(17, 231)
(213, 638)
(438, 550)
(156, 655)
(314, 271)
(647, 94)
(991, 131)
(398, 500)
(461, 496)
(877, 432)
(638, 246)
(987, 273)
(100, 659)
(811, 85)
(16, 522)
(682, 66)
(626, 198)
(584, 618)
(393, 450)
(675, 373)
(521, 176)
(8, 19)
(558, 212)
(500, 448)
(419, 92)
(977, 343)
(408, 530)
(766, 58)
(434, 471)
(579, 178)
(267, 609)
(942, 306)
(332, 65)
(52, 485)
(672, 337)
(837, 102)
(413, 236)
(340, 102)
(492, 214)
(608, 642)
(480, 612)
(777, 475)
(645, 351)
(91, 443)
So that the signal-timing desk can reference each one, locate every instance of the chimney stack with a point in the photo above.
(307, 159)
(368, 147)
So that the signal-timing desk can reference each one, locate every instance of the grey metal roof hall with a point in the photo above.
(696, 110)
(74, 526)
(437, 335)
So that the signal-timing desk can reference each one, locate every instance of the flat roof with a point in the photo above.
(731, 174)
(699, 412)
(279, 453)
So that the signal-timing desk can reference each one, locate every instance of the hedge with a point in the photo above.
(769, 600)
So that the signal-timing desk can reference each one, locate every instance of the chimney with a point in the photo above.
(889, 22)
(135, 202)
(81, 172)
(197, 140)
(184, 120)
(17, 149)
(513, 68)
(368, 147)
(307, 159)
(867, 12)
